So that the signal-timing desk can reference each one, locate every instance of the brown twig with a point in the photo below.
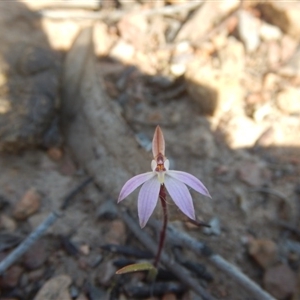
(177, 270)
(176, 237)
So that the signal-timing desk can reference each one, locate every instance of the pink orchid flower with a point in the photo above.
(174, 181)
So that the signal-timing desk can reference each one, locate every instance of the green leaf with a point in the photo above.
(144, 266)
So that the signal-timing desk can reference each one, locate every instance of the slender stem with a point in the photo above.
(162, 197)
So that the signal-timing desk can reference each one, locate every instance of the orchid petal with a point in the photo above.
(134, 183)
(158, 142)
(147, 200)
(191, 181)
(167, 164)
(180, 195)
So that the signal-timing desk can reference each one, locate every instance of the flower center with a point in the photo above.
(160, 166)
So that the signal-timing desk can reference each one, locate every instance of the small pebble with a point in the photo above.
(11, 277)
(169, 296)
(84, 249)
(36, 275)
(264, 252)
(106, 271)
(36, 256)
(116, 233)
(55, 153)
(82, 297)
(28, 205)
(280, 281)
(55, 288)
(270, 32)
(7, 223)
(214, 228)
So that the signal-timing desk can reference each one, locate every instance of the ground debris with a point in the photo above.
(280, 281)
(224, 94)
(55, 288)
(28, 205)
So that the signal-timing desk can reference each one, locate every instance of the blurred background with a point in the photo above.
(221, 78)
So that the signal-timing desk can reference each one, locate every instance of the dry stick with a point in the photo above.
(177, 270)
(180, 238)
(118, 14)
(39, 231)
(28, 242)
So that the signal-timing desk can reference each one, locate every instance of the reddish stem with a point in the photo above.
(162, 197)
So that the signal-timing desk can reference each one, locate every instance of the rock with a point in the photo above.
(11, 277)
(282, 14)
(288, 100)
(269, 32)
(106, 271)
(289, 49)
(280, 281)
(271, 81)
(248, 29)
(36, 256)
(214, 229)
(67, 166)
(267, 138)
(251, 173)
(264, 252)
(292, 67)
(55, 153)
(182, 54)
(122, 51)
(28, 205)
(273, 54)
(7, 223)
(35, 275)
(207, 16)
(133, 28)
(116, 233)
(85, 249)
(169, 296)
(263, 109)
(232, 58)
(82, 297)
(55, 288)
